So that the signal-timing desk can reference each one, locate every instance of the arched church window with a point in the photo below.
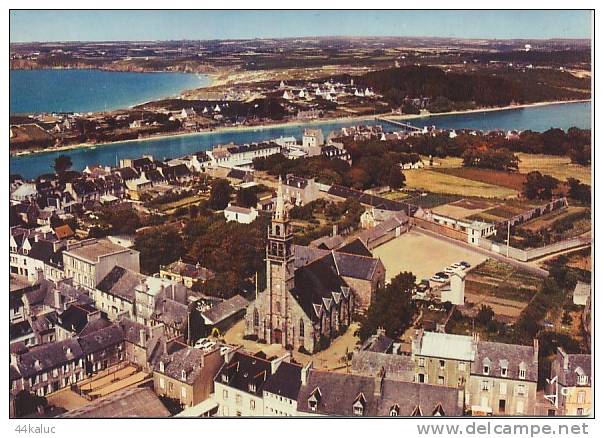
(256, 318)
(301, 328)
(278, 307)
(278, 230)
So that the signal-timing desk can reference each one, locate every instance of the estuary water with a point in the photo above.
(81, 90)
(539, 118)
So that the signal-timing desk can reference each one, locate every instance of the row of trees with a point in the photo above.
(490, 158)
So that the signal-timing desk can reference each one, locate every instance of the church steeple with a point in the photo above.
(280, 235)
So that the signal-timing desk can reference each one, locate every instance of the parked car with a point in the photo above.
(456, 265)
(438, 279)
(465, 265)
(449, 270)
(441, 275)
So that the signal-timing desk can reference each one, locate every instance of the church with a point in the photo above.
(309, 298)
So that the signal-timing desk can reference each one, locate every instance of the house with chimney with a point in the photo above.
(570, 390)
(186, 273)
(503, 379)
(186, 374)
(300, 191)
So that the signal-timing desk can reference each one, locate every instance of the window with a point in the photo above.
(581, 397)
(225, 411)
(520, 389)
(225, 394)
(522, 373)
(502, 406)
(183, 392)
(394, 411)
(579, 411)
(278, 307)
(441, 363)
(421, 361)
(161, 383)
(485, 369)
(301, 328)
(582, 379)
(461, 366)
(485, 385)
(357, 409)
(256, 318)
(252, 405)
(420, 378)
(238, 399)
(441, 380)
(504, 372)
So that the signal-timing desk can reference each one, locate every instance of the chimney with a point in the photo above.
(564, 358)
(378, 381)
(305, 373)
(536, 351)
(93, 316)
(57, 298)
(334, 231)
(142, 337)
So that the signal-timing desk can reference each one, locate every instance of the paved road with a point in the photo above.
(525, 266)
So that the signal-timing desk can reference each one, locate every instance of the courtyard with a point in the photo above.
(422, 255)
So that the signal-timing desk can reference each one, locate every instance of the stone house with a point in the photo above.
(571, 389)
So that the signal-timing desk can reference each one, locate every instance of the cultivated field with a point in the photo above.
(510, 180)
(422, 255)
(439, 182)
(499, 285)
(558, 167)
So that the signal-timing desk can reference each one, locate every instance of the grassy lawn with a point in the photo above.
(439, 182)
(558, 167)
(431, 200)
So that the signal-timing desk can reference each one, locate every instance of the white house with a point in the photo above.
(240, 214)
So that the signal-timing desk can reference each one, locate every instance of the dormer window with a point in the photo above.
(314, 399)
(252, 387)
(395, 411)
(358, 407)
(503, 366)
(581, 379)
(225, 378)
(162, 366)
(486, 369)
(522, 371)
(183, 375)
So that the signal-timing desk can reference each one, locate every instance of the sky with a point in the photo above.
(32, 25)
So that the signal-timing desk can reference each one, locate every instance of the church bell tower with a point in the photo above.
(279, 270)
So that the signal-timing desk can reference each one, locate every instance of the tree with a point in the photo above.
(579, 191)
(220, 194)
(122, 221)
(538, 186)
(485, 315)
(27, 403)
(158, 246)
(391, 309)
(397, 178)
(62, 163)
(247, 198)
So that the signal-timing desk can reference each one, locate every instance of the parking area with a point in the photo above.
(422, 255)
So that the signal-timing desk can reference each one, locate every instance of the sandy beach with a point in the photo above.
(351, 119)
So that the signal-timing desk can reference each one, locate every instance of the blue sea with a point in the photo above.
(147, 86)
(92, 90)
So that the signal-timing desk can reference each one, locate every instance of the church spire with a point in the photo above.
(280, 213)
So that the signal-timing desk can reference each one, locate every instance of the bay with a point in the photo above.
(82, 90)
(538, 118)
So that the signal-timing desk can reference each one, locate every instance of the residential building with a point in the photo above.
(300, 191)
(115, 293)
(571, 390)
(503, 379)
(186, 374)
(89, 261)
(442, 358)
(186, 273)
(280, 393)
(241, 215)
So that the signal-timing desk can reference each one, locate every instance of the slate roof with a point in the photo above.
(75, 317)
(49, 356)
(225, 309)
(188, 270)
(131, 330)
(127, 173)
(500, 354)
(154, 175)
(372, 200)
(20, 329)
(356, 247)
(379, 343)
(447, 346)
(101, 339)
(243, 370)
(315, 282)
(237, 173)
(186, 359)
(172, 313)
(286, 381)
(396, 366)
(126, 403)
(328, 242)
(569, 377)
(295, 181)
(339, 392)
(175, 172)
(356, 266)
(121, 282)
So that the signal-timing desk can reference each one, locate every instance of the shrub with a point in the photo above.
(250, 337)
(303, 350)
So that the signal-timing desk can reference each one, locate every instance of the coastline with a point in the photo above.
(352, 119)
